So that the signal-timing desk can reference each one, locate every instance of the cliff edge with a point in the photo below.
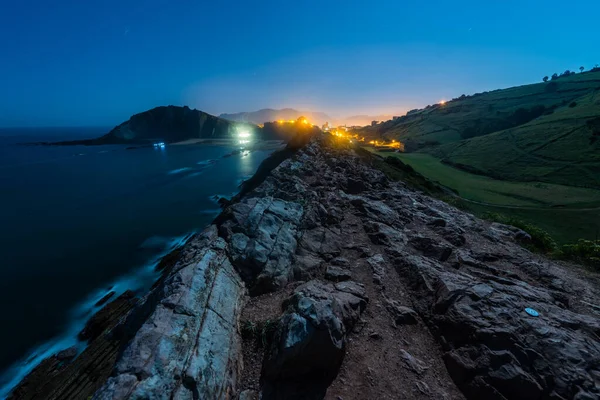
(328, 280)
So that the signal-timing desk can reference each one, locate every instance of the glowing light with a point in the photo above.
(292, 121)
(304, 121)
(244, 141)
(244, 134)
(443, 102)
(280, 121)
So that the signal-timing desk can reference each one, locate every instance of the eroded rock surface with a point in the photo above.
(360, 288)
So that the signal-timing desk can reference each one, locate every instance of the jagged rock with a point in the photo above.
(248, 395)
(355, 186)
(430, 247)
(67, 354)
(383, 234)
(102, 319)
(402, 315)
(189, 346)
(337, 274)
(493, 346)
(263, 234)
(412, 363)
(376, 263)
(309, 340)
(340, 262)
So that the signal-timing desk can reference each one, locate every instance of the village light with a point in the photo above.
(243, 134)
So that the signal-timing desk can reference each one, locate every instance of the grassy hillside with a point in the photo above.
(491, 191)
(547, 132)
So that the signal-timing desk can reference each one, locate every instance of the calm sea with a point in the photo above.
(76, 222)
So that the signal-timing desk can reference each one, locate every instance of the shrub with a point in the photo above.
(586, 252)
(545, 79)
(540, 239)
(554, 76)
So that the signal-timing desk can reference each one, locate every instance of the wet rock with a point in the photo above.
(105, 299)
(337, 274)
(96, 325)
(67, 354)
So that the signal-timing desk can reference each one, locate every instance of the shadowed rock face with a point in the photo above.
(378, 292)
(171, 124)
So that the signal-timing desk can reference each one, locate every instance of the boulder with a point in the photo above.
(310, 338)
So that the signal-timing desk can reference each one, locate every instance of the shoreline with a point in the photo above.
(47, 358)
(274, 296)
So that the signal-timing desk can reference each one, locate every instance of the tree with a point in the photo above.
(554, 76)
(545, 79)
(581, 68)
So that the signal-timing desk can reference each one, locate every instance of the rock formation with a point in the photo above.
(327, 280)
(167, 124)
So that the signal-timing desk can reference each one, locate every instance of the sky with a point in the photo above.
(95, 63)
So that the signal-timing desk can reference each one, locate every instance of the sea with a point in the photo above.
(77, 222)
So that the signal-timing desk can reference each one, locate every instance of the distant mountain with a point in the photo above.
(362, 120)
(269, 115)
(317, 118)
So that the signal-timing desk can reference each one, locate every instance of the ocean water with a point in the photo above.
(77, 222)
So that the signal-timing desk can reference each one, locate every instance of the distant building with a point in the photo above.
(373, 123)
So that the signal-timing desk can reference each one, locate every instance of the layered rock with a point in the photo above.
(372, 290)
(189, 346)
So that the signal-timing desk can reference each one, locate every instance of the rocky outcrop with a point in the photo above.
(189, 346)
(356, 291)
(168, 124)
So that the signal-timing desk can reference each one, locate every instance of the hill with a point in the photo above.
(269, 115)
(171, 124)
(317, 118)
(544, 132)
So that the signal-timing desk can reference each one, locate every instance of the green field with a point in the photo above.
(567, 213)
(543, 132)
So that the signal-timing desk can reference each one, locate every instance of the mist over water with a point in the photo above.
(78, 222)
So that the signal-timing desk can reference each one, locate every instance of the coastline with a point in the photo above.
(324, 278)
(109, 323)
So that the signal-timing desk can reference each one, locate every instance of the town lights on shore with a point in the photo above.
(443, 102)
(243, 134)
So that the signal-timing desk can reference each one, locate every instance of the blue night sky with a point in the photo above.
(97, 62)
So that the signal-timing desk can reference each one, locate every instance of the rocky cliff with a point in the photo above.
(327, 280)
(168, 124)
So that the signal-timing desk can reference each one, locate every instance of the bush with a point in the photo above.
(586, 252)
(541, 240)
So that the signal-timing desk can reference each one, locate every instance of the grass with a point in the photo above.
(483, 189)
(261, 332)
(564, 225)
(559, 146)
